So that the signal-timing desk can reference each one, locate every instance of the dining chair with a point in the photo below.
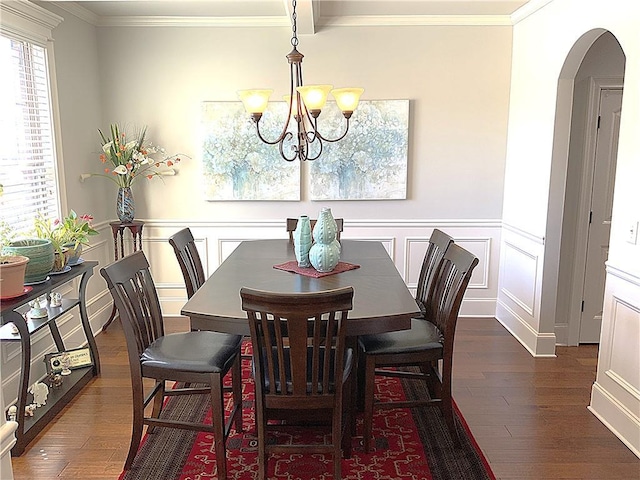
(199, 357)
(184, 246)
(302, 367)
(438, 244)
(427, 343)
(292, 223)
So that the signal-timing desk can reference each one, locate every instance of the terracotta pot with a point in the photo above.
(12, 269)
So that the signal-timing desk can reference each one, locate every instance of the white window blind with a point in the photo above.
(27, 159)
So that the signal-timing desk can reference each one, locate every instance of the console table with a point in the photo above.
(117, 230)
(16, 312)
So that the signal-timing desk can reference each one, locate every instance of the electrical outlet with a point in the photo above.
(632, 234)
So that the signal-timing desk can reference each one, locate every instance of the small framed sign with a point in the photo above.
(64, 362)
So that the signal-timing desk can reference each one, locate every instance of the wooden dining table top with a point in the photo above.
(381, 303)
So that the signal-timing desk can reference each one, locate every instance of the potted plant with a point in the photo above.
(12, 270)
(77, 230)
(47, 230)
(39, 252)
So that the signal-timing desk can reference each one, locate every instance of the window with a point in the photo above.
(28, 177)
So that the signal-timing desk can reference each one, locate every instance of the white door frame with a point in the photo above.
(596, 85)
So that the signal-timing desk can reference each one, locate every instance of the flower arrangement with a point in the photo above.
(133, 158)
(48, 230)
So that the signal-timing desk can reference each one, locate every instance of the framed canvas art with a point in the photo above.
(370, 163)
(236, 165)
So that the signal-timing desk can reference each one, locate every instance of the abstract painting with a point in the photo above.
(370, 163)
(236, 165)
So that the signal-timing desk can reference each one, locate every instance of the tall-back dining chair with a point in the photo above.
(423, 345)
(438, 244)
(184, 246)
(302, 366)
(191, 357)
(292, 223)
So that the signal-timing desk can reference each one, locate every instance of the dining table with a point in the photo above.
(381, 303)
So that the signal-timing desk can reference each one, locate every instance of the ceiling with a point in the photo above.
(312, 14)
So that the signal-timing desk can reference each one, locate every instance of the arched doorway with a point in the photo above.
(577, 232)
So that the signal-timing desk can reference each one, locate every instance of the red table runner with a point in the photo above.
(292, 266)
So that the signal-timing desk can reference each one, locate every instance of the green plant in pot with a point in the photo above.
(77, 229)
(46, 229)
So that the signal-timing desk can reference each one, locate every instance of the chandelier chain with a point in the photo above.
(294, 17)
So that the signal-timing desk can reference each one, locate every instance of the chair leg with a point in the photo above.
(138, 421)
(236, 388)
(336, 437)
(261, 431)
(217, 414)
(369, 391)
(348, 416)
(158, 401)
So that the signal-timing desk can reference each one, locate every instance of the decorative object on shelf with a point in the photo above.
(56, 299)
(12, 271)
(305, 104)
(131, 157)
(40, 254)
(125, 205)
(60, 259)
(64, 362)
(13, 413)
(40, 392)
(55, 380)
(29, 410)
(324, 255)
(38, 309)
(302, 241)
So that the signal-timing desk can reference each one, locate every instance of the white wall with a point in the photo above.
(539, 118)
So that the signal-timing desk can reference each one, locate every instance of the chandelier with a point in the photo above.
(305, 104)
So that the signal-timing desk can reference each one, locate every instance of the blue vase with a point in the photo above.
(325, 252)
(125, 205)
(302, 241)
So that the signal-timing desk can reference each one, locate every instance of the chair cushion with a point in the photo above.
(422, 335)
(200, 352)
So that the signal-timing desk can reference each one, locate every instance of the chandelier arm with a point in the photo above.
(320, 144)
(319, 135)
(271, 142)
(281, 147)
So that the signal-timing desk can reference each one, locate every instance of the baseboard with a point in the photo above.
(538, 344)
(622, 423)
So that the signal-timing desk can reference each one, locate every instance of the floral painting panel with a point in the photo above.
(370, 163)
(236, 165)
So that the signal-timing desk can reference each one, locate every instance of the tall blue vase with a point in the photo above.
(125, 205)
(325, 252)
(302, 241)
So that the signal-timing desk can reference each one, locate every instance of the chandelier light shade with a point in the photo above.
(305, 103)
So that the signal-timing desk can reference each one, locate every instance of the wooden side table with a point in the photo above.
(117, 230)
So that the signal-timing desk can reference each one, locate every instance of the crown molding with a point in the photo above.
(159, 21)
(25, 20)
(80, 12)
(528, 9)
(414, 20)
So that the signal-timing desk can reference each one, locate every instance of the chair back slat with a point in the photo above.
(438, 244)
(298, 341)
(186, 252)
(134, 293)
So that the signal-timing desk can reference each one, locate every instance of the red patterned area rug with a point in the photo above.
(409, 444)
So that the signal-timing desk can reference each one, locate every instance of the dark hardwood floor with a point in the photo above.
(528, 415)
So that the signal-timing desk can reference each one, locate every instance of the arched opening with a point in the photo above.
(581, 188)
